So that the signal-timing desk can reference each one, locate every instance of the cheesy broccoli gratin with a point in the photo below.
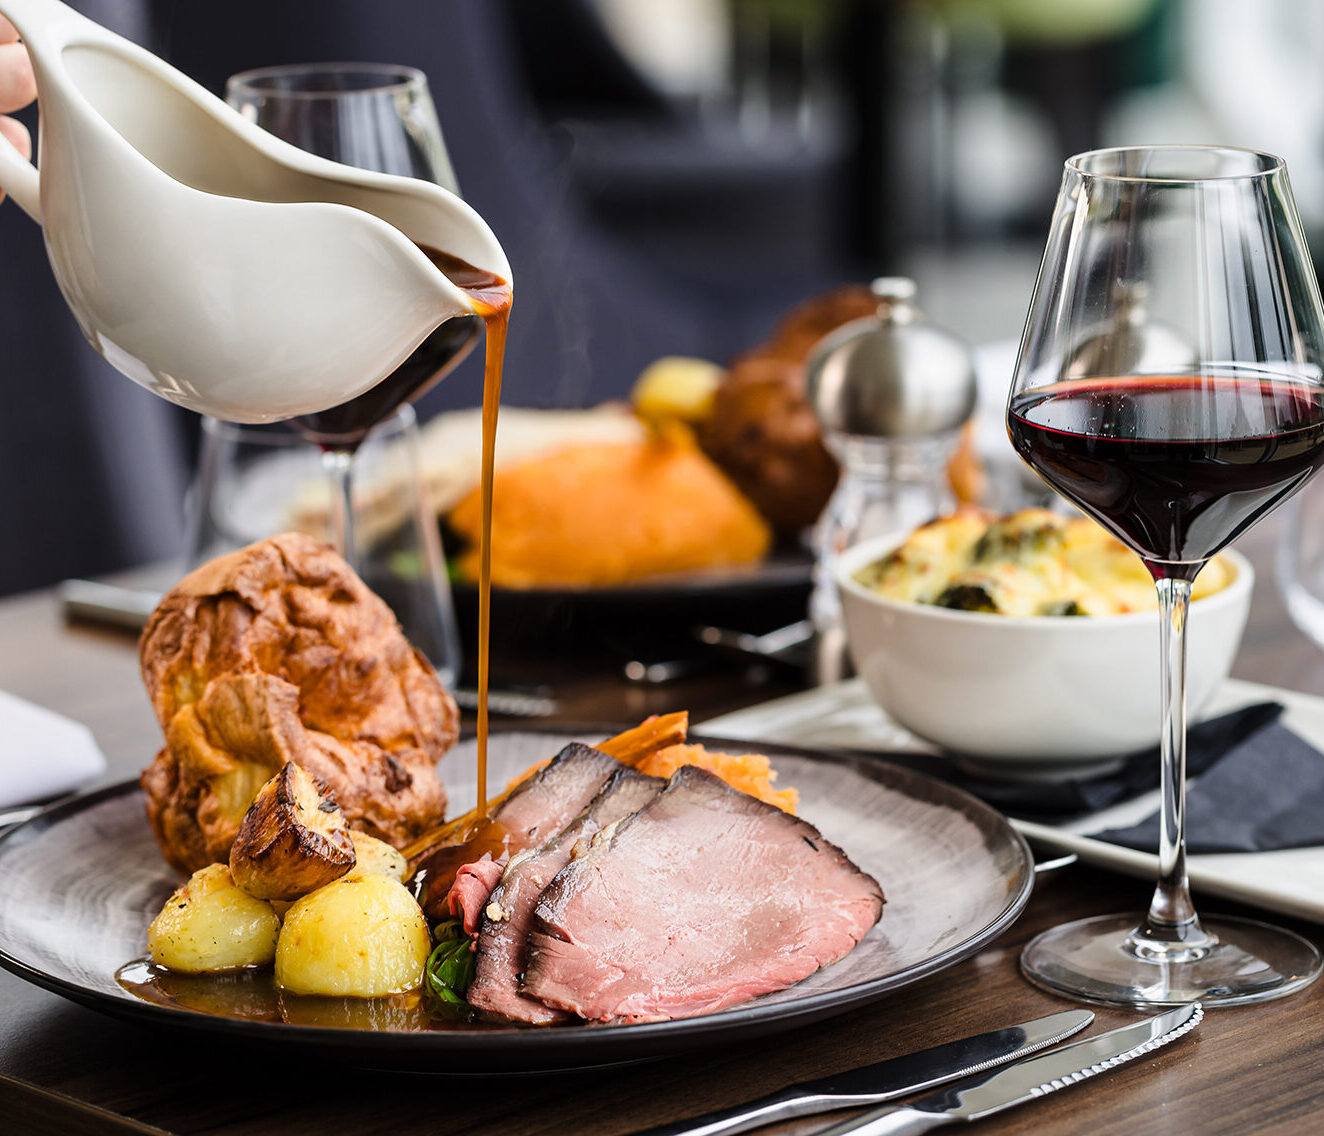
(1029, 563)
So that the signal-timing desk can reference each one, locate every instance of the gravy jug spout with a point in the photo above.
(206, 259)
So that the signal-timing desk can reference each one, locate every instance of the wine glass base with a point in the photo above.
(1094, 960)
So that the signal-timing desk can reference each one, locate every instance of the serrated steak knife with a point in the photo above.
(887, 1080)
(985, 1094)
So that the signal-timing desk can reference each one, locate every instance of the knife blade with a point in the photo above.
(114, 604)
(886, 1080)
(987, 1093)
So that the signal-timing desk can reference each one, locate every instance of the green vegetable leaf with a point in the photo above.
(450, 969)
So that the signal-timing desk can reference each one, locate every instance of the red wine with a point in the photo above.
(1177, 466)
(343, 427)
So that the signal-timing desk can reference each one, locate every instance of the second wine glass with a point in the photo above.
(377, 117)
(1170, 384)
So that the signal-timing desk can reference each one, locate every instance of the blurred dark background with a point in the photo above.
(668, 177)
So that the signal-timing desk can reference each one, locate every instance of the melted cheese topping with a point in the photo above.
(1033, 562)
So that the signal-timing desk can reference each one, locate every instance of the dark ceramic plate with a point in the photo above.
(784, 569)
(80, 883)
(649, 619)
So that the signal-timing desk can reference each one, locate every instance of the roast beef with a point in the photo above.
(702, 899)
(473, 884)
(505, 923)
(556, 794)
(537, 809)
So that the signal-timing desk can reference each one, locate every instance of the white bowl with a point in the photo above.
(1031, 695)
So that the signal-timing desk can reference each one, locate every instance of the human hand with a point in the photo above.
(17, 86)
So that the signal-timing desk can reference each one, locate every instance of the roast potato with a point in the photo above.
(763, 435)
(292, 840)
(211, 925)
(361, 936)
(376, 857)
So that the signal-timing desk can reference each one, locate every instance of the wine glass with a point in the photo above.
(1169, 384)
(376, 117)
(254, 481)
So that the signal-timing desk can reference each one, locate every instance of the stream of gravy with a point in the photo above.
(497, 324)
(492, 297)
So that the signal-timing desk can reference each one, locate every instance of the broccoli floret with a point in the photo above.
(967, 597)
(1013, 539)
(1062, 607)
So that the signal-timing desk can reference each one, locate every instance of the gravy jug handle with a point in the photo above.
(35, 21)
(18, 178)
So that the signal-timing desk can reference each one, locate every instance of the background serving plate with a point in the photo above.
(787, 568)
(651, 618)
(80, 883)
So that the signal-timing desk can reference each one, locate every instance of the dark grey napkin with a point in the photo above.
(1207, 744)
(1266, 793)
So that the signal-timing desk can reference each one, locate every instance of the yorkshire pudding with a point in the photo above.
(276, 653)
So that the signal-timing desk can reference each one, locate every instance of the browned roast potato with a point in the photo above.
(292, 840)
(376, 857)
(209, 926)
(361, 936)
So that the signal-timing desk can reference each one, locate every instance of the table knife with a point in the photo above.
(115, 604)
(886, 1080)
(987, 1093)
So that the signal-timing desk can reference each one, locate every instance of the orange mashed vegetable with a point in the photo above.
(657, 746)
(597, 514)
(750, 773)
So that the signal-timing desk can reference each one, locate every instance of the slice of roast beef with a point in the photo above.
(473, 884)
(555, 795)
(537, 809)
(702, 899)
(509, 912)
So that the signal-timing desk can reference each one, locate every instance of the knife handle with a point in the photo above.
(782, 1105)
(891, 1120)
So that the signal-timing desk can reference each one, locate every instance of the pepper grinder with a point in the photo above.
(891, 393)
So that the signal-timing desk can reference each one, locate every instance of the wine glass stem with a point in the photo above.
(339, 465)
(1171, 921)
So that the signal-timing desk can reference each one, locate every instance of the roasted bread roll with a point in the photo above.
(806, 323)
(762, 431)
(276, 653)
(763, 435)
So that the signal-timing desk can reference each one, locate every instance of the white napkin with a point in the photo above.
(42, 754)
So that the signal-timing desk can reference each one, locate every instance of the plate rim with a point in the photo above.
(783, 569)
(565, 1042)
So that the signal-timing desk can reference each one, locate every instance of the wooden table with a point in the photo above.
(68, 1070)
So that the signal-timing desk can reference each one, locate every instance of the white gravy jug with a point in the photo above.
(209, 261)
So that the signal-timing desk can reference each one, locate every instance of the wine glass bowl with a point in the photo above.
(377, 117)
(254, 481)
(1170, 384)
